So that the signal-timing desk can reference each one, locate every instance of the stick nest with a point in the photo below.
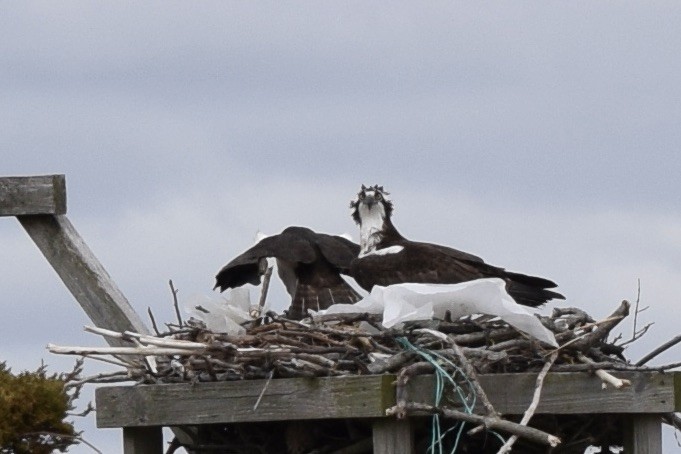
(356, 344)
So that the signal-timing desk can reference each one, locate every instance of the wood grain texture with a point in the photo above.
(82, 273)
(567, 393)
(393, 436)
(643, 435)
(226, 402)
(142, 440)
(366, 396)
(44, 194)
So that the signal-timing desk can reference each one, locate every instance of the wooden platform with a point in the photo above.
(153, 406)
(39, 203)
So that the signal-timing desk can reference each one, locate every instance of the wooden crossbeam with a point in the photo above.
(227, 402)
(45, 194)
(367, 396)
(569, 393)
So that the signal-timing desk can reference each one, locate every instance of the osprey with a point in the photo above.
(309, 263)
(386, 257)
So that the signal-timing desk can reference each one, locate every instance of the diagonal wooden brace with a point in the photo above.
(82, 273)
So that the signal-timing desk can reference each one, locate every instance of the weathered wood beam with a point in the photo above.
(82, 273)
(393, 436)
(366, 396)
(208, 403)
(643, 435)
(44, 194)
(567, 393)
(142, 440)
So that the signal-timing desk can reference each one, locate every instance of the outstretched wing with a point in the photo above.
(433, 264)
(246, 268)
(338, 251)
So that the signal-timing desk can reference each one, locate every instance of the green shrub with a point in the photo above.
(33, 408)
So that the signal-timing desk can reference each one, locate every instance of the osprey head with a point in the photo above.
(371, 201)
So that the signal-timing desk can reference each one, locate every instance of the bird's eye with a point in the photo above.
(378, 196)
(362, 195)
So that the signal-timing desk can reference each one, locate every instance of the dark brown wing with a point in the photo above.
(417, 263)
(433, 264)
(338, 251)
(309, 264)
(245, 269)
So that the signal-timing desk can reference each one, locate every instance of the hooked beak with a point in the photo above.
(369, 201)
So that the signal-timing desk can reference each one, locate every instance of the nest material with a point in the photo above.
(356, 344)
(351, 344)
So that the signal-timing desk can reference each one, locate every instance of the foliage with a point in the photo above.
(33, 408)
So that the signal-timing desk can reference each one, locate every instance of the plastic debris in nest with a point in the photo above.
(221, 313)
(415, 302)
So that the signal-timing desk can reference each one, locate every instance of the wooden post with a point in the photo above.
(393, 436)
(643, 434)
(142, 440)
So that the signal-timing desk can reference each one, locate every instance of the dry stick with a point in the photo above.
(391, 363)
(472, 376)
(603, 328)
(611, 366)
(493, 423)
(110, 377)
(134, 337)
(666, 346)
(605, 376)
(144, 351)
(638, 335)
(153, 321)
(107, 360)
(72, 437)
(470, 373)
(638, 300)
(533, 405)
(175, 303)
(264, 388)
(263, 292)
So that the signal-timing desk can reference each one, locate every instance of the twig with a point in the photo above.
(602, 329)
(607, 378)
(153, 321)
(640, 333)
(493, 423)
(78, 438)
(144, 351)
(533, 405)
(638, 300)
(666, 346)
(175, 303)
(109, 377)
(263, 292)
(264, 388)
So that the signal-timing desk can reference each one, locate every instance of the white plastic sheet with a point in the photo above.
(222, 313)
(408, 302)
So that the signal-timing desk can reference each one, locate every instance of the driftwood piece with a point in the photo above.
(533, 406)
(491, 422)
(602, 330)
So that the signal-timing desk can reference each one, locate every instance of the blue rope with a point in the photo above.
(441, 377)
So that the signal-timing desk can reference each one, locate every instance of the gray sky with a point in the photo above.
(542, 137)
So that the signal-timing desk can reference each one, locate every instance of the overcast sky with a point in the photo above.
(543, 137)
